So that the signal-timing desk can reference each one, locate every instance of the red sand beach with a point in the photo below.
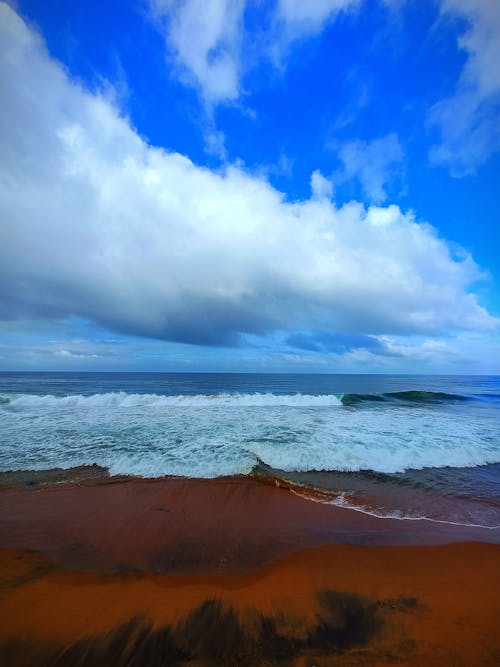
(236, 572)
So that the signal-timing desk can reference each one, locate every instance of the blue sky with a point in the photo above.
(240, 186)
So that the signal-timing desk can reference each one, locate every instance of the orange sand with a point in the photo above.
(454, 620)
(429, 605)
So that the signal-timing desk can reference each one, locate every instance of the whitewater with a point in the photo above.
(389, 444)
(207, 435)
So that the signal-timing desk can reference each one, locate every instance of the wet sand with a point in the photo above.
(235, 572)
(221, 525)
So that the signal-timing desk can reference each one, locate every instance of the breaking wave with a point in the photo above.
(208, 435)
(123, 400)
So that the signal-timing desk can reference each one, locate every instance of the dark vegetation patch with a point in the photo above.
(346, 621)
(132, 644)
(215, 634)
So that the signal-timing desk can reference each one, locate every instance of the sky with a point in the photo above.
(250, 186)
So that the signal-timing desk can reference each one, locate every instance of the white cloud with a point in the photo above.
(374, 164)
(210, 44)
(96, 223)
(205, 39)
(213, 50)
(469, 119)
(321, 187)
(302, 17)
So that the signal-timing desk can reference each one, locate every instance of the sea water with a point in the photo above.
(411, 447)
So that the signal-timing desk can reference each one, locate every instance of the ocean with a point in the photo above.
(408, 447)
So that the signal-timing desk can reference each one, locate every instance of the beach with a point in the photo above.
(249, 333)
(230, 519)
(235, 571)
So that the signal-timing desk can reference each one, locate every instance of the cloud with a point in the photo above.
(375, 164)
(204, 37)
(212, 48)
(471, 352)
(308, 18)
(321, 187)
(468, 121)
(324, 341)
(97, 224)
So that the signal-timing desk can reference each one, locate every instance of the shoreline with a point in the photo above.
(421, 495)
(233, 571)
(229, 525)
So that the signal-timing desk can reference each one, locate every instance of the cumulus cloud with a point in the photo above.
(469, 120)
(97, 224)
(375, 164)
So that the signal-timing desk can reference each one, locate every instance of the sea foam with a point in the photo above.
(122, 400)
(208, 435)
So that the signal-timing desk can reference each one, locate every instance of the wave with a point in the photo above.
(124, 400)
(380, 495)
(343, 500)
(412, 396)
(355, 399)
(469, 482)
(424, 396)
(121, 399)
(209, 435)
(428, 506)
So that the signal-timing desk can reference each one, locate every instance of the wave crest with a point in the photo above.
(124, 400)
(411, 396)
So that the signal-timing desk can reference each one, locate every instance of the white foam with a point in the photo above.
(341, 501)
(152, 434)
(123, 400)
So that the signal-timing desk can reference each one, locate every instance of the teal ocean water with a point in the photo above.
(412, 447)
